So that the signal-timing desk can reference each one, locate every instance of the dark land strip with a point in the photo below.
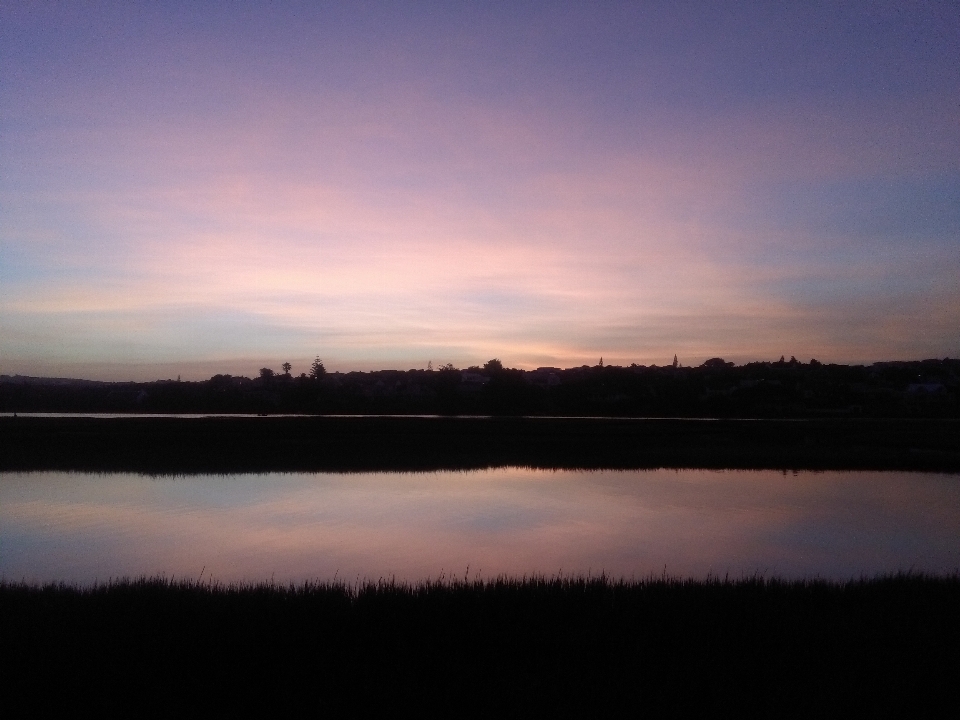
(365, 443)
(888, 647)
(926, 388)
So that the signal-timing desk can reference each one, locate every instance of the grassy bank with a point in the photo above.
(885, 647)
(171, 445)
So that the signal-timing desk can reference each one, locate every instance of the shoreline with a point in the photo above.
(170, 445)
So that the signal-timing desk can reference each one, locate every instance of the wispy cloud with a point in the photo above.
(384, 195)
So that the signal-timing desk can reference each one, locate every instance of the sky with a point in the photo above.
(199, 188)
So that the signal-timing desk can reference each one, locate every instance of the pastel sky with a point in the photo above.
(195, 188)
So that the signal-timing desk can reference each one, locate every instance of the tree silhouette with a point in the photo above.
(493, 366)
(286, 368)
(317, 370)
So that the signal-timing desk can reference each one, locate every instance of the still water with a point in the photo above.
(84, 527)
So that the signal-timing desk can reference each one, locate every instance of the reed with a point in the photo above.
(496, 647)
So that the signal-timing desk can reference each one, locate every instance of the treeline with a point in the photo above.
(784, 389)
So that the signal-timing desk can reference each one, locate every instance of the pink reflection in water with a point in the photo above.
(86, 527)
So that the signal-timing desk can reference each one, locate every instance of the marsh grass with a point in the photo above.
(538, 646)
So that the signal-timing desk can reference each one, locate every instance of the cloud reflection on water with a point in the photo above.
(82, 527)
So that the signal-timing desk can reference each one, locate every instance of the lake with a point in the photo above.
(86, 527)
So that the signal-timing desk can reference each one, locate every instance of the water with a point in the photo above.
(84, 527)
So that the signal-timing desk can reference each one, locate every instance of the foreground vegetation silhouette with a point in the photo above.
(888, 647)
